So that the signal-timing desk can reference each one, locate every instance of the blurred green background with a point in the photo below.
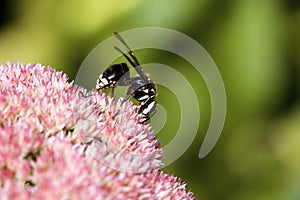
(256, 46)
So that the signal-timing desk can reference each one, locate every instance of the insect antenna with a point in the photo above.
(127, 58)
(133, 61)
(119, 37)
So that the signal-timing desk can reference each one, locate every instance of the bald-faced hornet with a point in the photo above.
(140, 87)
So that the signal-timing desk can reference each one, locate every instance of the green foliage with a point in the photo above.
(256, 46)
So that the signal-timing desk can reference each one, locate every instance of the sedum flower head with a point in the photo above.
(59, 141)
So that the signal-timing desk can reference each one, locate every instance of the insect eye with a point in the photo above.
(140, 87)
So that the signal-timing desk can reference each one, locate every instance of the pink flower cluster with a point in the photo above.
(58, 141)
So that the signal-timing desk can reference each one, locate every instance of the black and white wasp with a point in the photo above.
(141, 87)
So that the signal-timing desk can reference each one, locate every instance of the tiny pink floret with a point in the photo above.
(59, 141)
